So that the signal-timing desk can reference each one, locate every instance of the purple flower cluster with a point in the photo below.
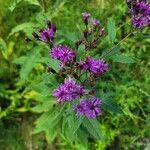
(69, 90)
(46, 34)
(95, 66)
(89, 107)
(140, 10)
(62, 53)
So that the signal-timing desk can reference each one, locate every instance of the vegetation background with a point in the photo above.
(20, 65)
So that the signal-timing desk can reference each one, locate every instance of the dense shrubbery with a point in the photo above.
(26, 81)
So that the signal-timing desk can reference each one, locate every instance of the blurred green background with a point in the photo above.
(130, 82)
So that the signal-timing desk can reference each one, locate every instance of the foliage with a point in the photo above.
(25, 85)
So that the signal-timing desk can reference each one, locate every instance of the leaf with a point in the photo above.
(108, 53)
(122, 59)
(82, 138)
(44, 106)
(14, 3)
(33, 2)
(3, 45)
(111, 27)
(78, 123)
(55, 64)
(92, 125)
(108, 104)
(81, 52)
(70, 36)
(49, 119)
(30, 62)
(27, 27)
(7, 51)
(20, 61)
(81, 47)
(51, 134)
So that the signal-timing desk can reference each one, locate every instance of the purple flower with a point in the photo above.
(138, 21)
(67, 91)
(46, 34)
(85, 16)
(62, 53)
(95, 22)
(95, 66)
(88, 107)
(140, 10)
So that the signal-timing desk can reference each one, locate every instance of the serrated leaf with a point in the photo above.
(110, 105)
(55, 64)
(93, 127)
(30, 62)
(51, 134)
(26, 27)
(78, 123)
(82, 138)
(122, 59)
(111, 27)
(49, 119)
(44, 106)
(110, 52)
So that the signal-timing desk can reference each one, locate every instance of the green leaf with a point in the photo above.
(110, 105)
(93, 127)
(122, 59)
(82, 138)
(3, 45)
(26, 27)
(55, 64)
(14, 3)
(111, 27)
(51, 133)
(112, 51)
(78, 123)
(30, 63)
(49, 119)
(81, 47)
(44, 106)
(20, 61)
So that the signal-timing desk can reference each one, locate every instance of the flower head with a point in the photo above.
(85, 16)
(88, 107)
(95, 66)
(95, 22)
(67, 91)
(47, 34)
(140, 10)
(63, 53)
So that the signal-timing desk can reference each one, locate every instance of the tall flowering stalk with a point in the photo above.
(73, 88)
(80, 70)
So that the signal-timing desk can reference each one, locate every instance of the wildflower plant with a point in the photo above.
(75, 71)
